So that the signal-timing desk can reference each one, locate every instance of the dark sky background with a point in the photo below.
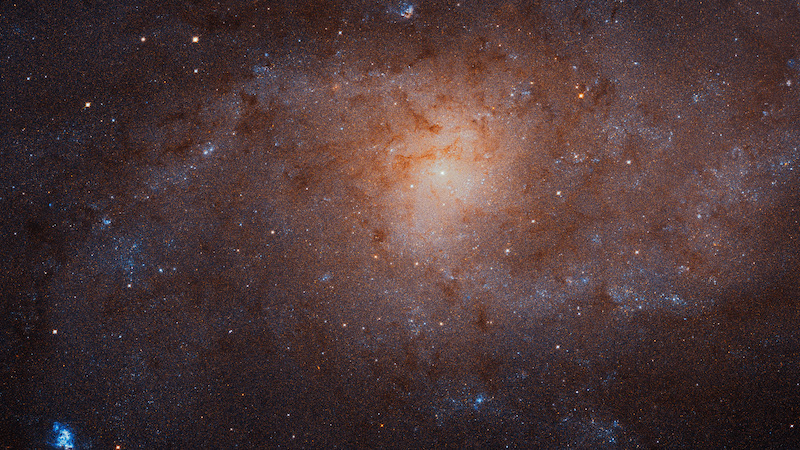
(378, 224)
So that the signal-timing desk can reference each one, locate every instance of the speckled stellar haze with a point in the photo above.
(381, 224)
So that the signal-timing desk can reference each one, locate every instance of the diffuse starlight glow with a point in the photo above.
(401, 224)
(442, 178)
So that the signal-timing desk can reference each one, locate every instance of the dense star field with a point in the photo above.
(385, 224)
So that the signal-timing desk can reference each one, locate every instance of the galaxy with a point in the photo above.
(388, 224)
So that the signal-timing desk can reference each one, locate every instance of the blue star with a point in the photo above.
(478, 401)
